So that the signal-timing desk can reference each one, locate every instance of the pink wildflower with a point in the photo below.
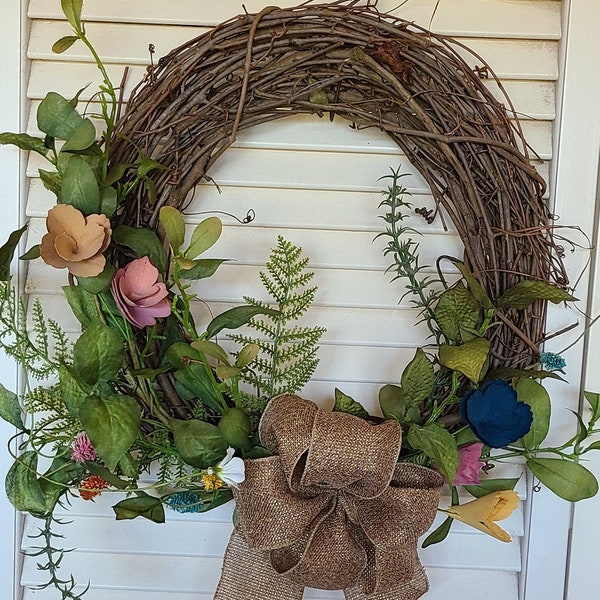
(82, 449)
(138, 293)
(469, 464)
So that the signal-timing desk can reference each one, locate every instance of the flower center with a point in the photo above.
(211, 482)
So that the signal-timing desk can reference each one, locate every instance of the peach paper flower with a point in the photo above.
(138, 293)
(74, 241)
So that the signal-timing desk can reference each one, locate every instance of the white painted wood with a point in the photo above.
(312, 181)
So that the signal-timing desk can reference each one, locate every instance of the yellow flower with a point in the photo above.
(211, 482)
(482, 512)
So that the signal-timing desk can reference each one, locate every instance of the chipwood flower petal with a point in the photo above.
(75, 242)
(138, 293)
(483, 512)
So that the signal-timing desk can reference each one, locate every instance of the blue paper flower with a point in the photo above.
(552, 362)
(495, 415)
(185, 502)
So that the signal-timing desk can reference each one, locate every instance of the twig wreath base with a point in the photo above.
(374, 70)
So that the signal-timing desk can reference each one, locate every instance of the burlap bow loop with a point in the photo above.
(332, 509)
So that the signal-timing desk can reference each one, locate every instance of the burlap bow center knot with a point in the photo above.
(331, 510)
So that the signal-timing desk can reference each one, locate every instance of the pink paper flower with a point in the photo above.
(82, 449)
(469, 464)
(138, 293)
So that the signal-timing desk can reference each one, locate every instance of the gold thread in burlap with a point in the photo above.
(331, 510)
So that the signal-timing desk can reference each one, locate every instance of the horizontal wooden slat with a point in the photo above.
(494, 18)
(128, 43)
(532, 99)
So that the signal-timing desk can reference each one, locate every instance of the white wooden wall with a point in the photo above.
(316, 183)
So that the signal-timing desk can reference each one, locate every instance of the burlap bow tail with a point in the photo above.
(332, 510)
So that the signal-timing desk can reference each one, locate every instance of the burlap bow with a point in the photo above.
(332, 510)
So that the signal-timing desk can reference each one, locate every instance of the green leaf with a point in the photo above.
(98, 353)
(468, 358)
(344, 403)
(473, 284)
(112, 424)
(62, 473)
(227, 371)
(593, 400)
(236, 317)
(64, 44)
(116, 172)
(51, 181)
(31, 254)
(141, 505)
(143, 242)
(235, 426)
(10, 409)
(507, 373)
(247, 354)
(24, 142)
(526, 292)
(212, 349)
(199, 444)
(174, 225)
(72, 10)
(7, 251)
(204, 236)
(202, 268)
(417, 379)
(568, 480)
(82, 303)
(22, 486)
(82, 138)
(57, 117)
(457, 309)
(392, 402)
(491, 485)
(74, 392)
(99, 283)
(108, 201)
(80, 187)
(146, 165)
(439, 534)
(437, 443)
(532, 393)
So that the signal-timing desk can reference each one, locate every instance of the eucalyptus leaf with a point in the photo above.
(98, 353)
(10, 408)
(7, 251)
(22, 486)
(79, 186)
(201, 268)
(526, 292)
(199, 444)
(439, 534)
(235, 426)
(468, 358)
(99, 283)
(236, 317)
(417, 379)
(51, 181)
(174, 225)
(141, 505)
(72, 10)
(204, 236)
(112, 424)
(64, 44)
(143, 242)
(108, 201)
(457, 309)
(488, 486)
(437, 443)
(82, 138)
(567, 479)
(24, 142)
(344, 403)
(532, 393)
(57, 117)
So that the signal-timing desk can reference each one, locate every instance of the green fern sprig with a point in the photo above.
(287, 357)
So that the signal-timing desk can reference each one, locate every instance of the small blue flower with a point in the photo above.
(552, 362)
(495, 415)
(185, 502)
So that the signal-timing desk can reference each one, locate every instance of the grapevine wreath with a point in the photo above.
(324, 500)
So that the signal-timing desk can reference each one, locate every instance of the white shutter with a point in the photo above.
(316, 183)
